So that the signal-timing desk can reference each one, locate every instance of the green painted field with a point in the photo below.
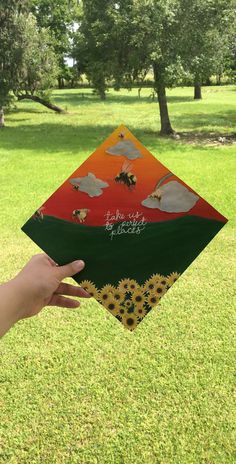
(75, 386)
(163, 247)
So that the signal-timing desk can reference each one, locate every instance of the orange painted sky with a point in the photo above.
(117, 196)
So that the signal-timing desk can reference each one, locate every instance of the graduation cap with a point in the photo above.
(136, 225)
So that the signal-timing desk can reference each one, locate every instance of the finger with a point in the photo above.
(70, 269)
(72, 290)
(51, 261)
(63, 302)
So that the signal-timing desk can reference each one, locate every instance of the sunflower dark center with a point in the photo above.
(159, 290)
(105, 296)
(151, 286)
(130, 321)
(153, 299)
(138, 298)
(111, 306)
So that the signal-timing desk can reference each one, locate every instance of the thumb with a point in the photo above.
(70, 269)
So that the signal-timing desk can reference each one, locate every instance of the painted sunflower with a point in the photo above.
(153, 299)
(105, 292)
(112, 305)
(121, 311)
(130, 321)
(118, 295)
(163, 280)
(140, 312)
(124, 285)
(138, 298)
(160, 289)
(109, 288)
(133, 285)
(89, 287)
(157, 277)
(150, 284)
(171, 279)
(128, 304)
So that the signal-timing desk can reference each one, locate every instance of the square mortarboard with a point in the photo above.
(136, 225)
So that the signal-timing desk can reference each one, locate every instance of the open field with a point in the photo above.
(75, 386)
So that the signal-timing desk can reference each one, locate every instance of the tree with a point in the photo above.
(123, 39)
(39, 68)
(93, 43)
(27, 60)
(10, 55)
(206, 33)
(59, 17)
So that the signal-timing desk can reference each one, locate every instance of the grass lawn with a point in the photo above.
(76, 387)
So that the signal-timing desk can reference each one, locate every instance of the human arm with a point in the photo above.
(37, 285)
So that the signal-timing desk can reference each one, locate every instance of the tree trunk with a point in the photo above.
(2, 122)
(197, 91)
(166, 128)
(61, 84)
(102, 95)
(49, 105)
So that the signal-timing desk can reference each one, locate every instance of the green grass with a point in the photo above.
(77, 388)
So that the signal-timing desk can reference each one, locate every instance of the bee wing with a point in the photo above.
(126, 167)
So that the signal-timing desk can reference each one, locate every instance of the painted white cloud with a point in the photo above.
(125, 148)
(90, 185)
(175, 198)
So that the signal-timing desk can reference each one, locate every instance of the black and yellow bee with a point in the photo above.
(80, 214)
(125, 176)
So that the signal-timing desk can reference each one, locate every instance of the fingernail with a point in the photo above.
(79, 265)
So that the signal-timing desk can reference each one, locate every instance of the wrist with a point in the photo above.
(16, 298)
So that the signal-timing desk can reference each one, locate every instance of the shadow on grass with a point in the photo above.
(202, 121)
(85, 98)
(52, 138)
(49, 138)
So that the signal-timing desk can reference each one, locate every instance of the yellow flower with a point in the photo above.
(130, 321)
(119, 295)
(140, 312)
(133, 285)
(171, 279)
(159, 289)
(122, 311)
(128, 304)
(138, 298)
(124, 285)
(105, 292)
(163, 280)
(90, 288)
(150, 284)
(153, 299)
(108, 288)
(156, 277)
(112, 305)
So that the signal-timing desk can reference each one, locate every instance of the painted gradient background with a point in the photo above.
(148, 171)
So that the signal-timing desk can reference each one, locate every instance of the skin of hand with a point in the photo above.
(37, 285)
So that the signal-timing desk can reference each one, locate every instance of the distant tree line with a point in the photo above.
(114, 43)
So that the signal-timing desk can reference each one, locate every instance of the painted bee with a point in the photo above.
(157, 192)
(80, 214)
(39, 214)
(125, 176)
(121, 135)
